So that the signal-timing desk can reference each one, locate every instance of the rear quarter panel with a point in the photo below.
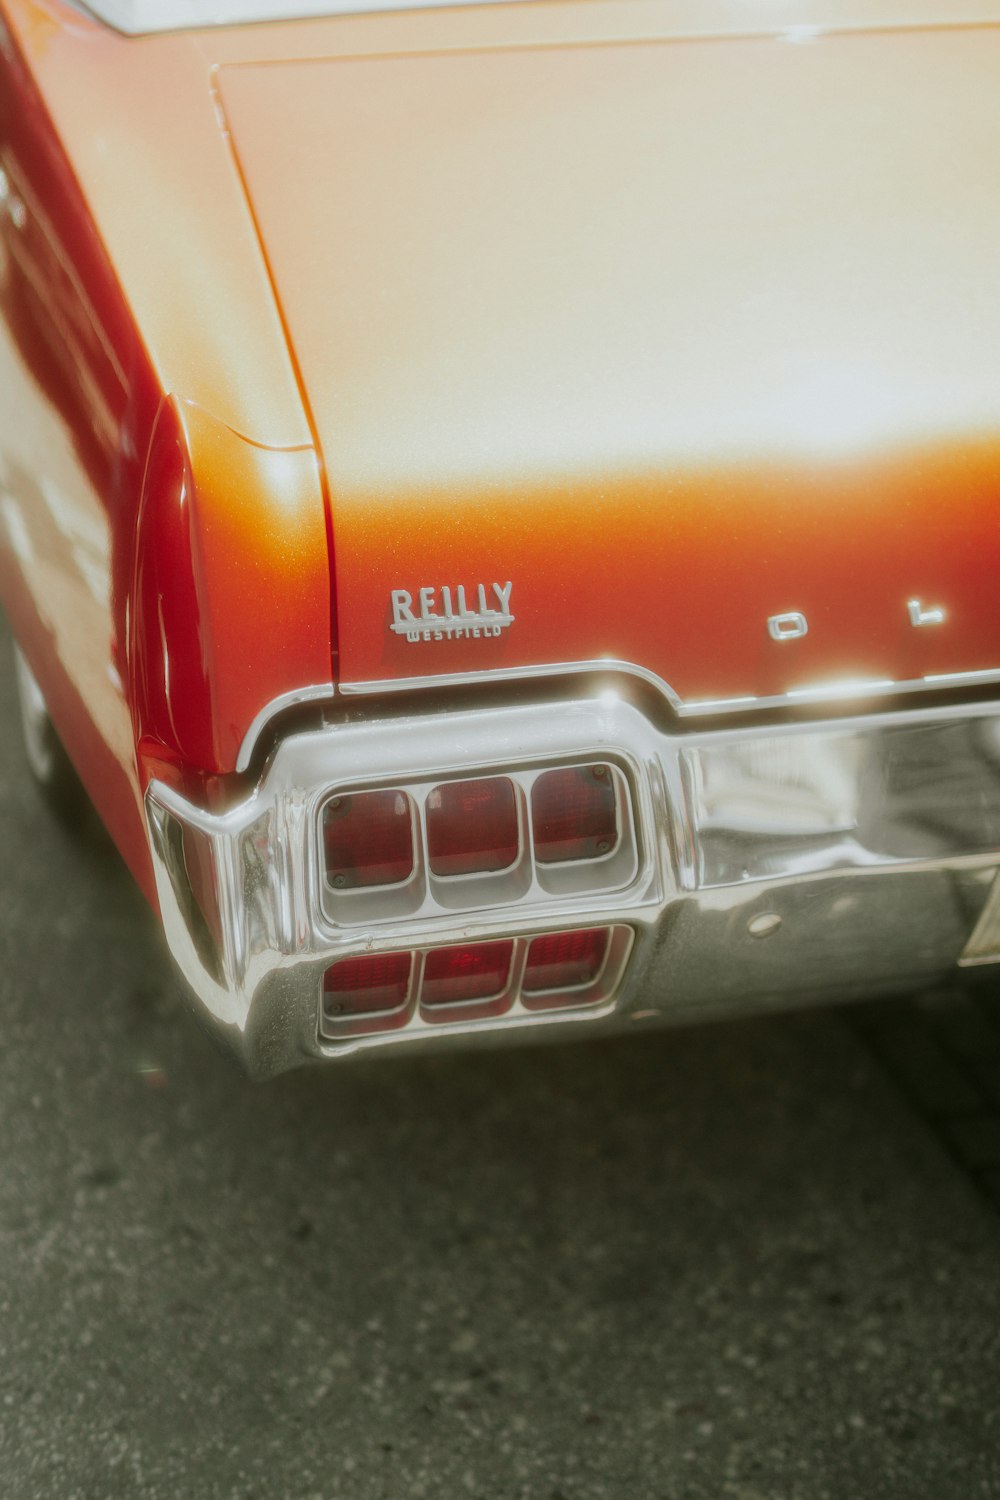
(133, 297)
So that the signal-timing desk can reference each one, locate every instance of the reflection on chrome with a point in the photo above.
(764, 866)
(859, 690)
(789, 803)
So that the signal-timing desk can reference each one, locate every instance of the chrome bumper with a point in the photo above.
(765, 867)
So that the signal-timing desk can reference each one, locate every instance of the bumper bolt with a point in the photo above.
(764, 924)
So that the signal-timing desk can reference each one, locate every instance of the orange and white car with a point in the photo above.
(501, 503)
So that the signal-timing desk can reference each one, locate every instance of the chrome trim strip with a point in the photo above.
(315, 694)
(682, 20)
(832, 692)
(513, 674)
(838, 692)
(990, 674)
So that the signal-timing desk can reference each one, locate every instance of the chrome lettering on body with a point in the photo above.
(792, 625)
(444, 614)
(787, 627)
(921, 616)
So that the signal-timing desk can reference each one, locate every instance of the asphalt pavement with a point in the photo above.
(757, 1259)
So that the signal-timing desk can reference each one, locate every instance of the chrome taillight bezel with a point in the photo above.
(281, 930)
(528, 882)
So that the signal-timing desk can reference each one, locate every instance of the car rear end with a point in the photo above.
(646, 360)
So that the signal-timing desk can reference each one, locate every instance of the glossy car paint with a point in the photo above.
(624, 338)
(165, 559)
(676, 315)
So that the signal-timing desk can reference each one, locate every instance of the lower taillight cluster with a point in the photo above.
(551, 971)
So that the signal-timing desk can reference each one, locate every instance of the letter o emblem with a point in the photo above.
(787, 627)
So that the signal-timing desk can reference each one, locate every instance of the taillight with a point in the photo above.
(368, 838)
(472, 826)
(565, 960)
(574, 814)
(464, 984)
(367, 985)
(475, 971)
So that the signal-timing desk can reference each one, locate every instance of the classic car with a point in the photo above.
(500, 504)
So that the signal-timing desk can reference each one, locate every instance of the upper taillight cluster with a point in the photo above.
(478, 827)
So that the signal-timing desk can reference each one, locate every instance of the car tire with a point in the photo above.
(50, 766)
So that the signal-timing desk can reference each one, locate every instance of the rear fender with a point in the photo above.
(231, 593)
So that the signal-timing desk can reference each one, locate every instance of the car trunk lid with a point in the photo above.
(679, 353)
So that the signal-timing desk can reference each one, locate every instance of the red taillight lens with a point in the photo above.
(565, 960)
(476, 971)
(472, 826)
(365, 985)
(574, 814)
(368, 838)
